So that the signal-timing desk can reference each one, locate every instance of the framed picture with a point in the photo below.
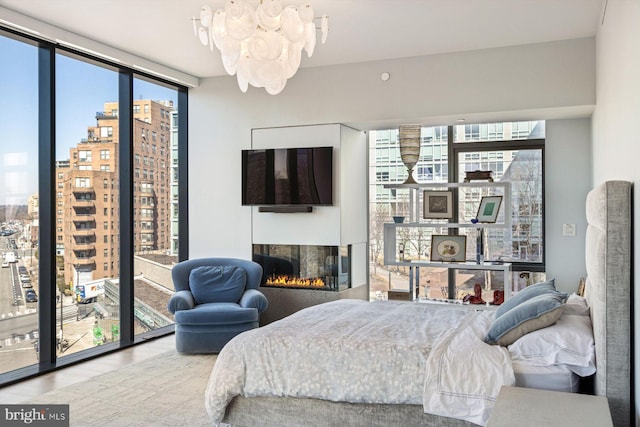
(489, 208)
(438, 204)
(448, 248)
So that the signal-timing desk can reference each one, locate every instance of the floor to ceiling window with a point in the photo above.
(19, 284)
(87, 189)
(89, 205)
(513, 152)
(155, 201)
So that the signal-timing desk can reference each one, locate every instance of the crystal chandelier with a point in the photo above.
(262, 45)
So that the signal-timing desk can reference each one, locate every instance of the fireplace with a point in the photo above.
(325, 268)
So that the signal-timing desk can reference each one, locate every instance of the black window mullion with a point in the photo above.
(452, 162)
(46, 176)
(125, 160)
(183, 175)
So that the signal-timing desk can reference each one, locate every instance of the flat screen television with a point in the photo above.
(287, 176)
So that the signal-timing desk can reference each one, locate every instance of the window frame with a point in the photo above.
(504, 145)
(48, 190)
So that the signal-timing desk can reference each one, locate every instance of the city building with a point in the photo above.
(33, 205)
(175, 189)
(87, 202)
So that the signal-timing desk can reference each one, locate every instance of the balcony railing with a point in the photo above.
(84, 245)
(84, 203)
(84, 254)
(82, 218)
(85, 232)
(104, 115)
(84, 190)
(85, 261)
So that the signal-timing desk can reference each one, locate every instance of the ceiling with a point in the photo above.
(359, 30)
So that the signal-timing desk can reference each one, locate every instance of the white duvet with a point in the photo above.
(362, 352)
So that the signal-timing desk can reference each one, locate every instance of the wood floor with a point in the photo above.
(22, 391)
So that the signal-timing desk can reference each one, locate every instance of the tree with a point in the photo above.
(379, 214)
(525, 175)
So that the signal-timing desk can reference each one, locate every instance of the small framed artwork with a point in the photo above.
(448, 248)
(438, 204)
(489, 208)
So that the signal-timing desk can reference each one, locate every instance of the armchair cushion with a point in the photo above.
(217, 313)
(253, 298)
(181, 300)
(220, 283)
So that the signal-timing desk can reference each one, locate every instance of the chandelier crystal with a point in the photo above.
(263, 45)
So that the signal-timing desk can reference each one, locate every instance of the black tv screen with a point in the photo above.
(287, 176)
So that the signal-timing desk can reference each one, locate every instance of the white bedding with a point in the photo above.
(552, 377)
(463, 374)
(364, 352)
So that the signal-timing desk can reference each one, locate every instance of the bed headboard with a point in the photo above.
(608, 290)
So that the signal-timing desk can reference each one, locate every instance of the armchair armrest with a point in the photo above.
(253, 298)
(181, 300)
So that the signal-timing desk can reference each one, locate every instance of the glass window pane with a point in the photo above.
(385, 203)
(155, 145)
(87, 312)
(19, 286)
(523, 169)
(506, 131)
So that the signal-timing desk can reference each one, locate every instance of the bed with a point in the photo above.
(398, 363)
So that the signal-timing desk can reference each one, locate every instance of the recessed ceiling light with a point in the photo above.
(385, 76)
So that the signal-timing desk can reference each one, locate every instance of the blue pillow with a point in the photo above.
(536, 313)
(529, 292)
(217, 283)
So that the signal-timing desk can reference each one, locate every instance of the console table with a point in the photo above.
(529, 407)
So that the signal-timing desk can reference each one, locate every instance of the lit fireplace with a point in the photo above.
(304, 266)
(295, 282)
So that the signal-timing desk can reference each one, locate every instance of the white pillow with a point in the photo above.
(568, 342)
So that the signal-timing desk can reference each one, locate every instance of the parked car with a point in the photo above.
(27, 284)
(5, 264)
(31, 296)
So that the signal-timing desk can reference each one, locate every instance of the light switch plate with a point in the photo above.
(568, 229)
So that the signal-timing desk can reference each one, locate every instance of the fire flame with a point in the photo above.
(295, 282)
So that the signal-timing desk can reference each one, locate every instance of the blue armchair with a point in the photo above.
(215, 300)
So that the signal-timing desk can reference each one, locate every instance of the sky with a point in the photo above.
(81, 91)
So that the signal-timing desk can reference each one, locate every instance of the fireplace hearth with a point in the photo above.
(315, 267)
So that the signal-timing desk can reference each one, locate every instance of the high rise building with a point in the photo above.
(33, 206)
(88, 196)
(174, 183)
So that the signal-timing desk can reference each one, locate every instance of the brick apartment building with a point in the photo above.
(87, 197)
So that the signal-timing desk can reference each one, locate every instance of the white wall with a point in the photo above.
(616, 146)
(567, 181)
(320, 227)
(529, 82)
